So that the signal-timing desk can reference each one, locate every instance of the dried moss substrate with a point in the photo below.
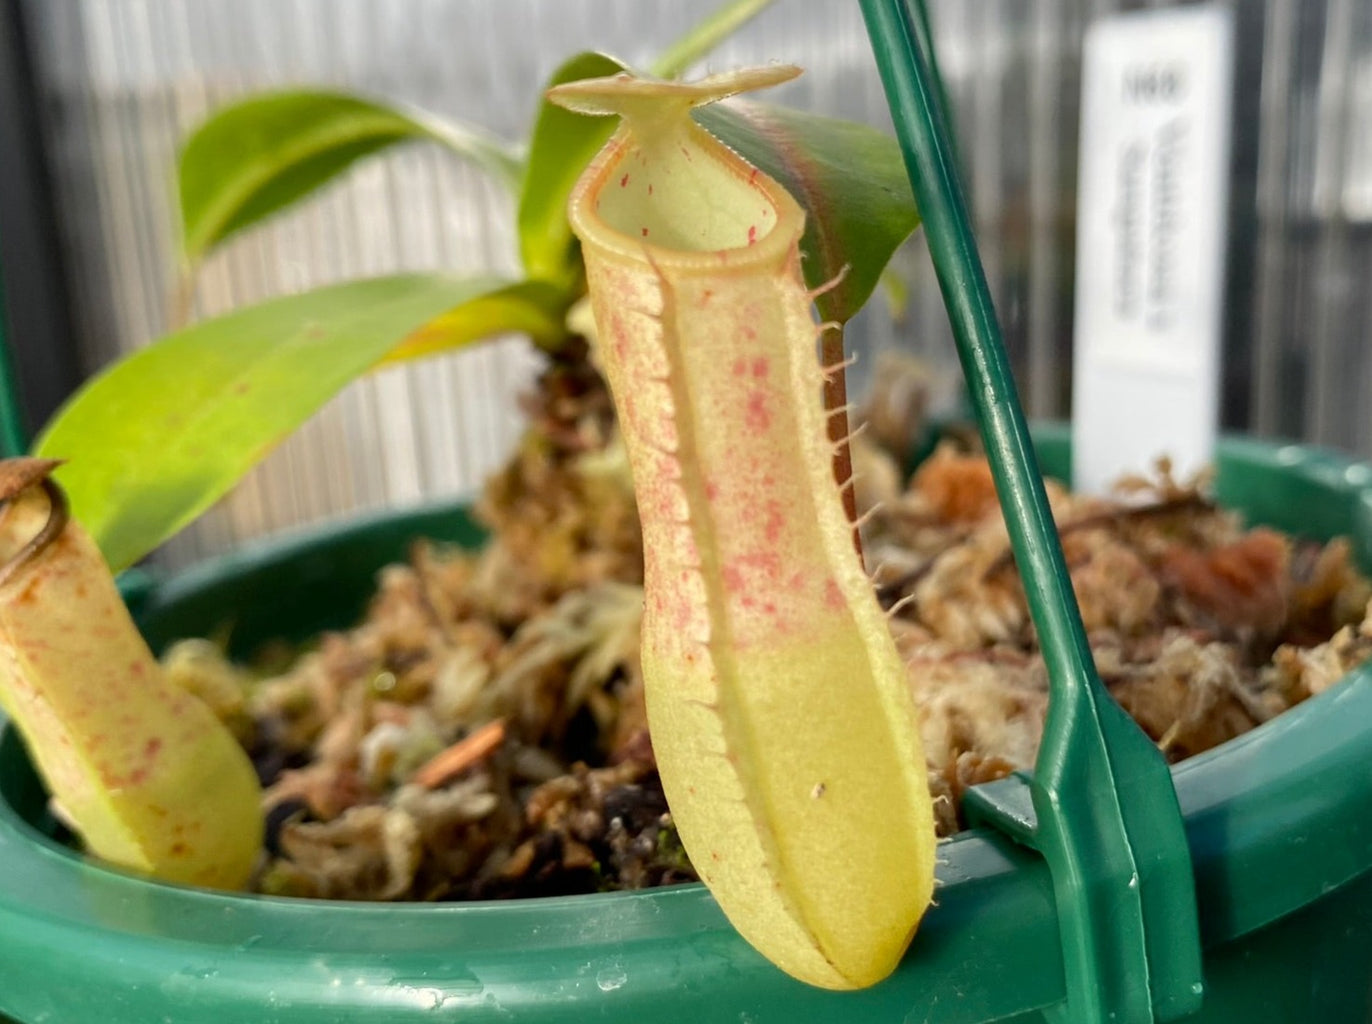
(1201, 628)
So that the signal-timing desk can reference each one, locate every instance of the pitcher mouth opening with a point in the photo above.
(653, 194)
(636, 203)
(664, 182)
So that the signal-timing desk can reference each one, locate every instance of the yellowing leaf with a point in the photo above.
(160, 436)
(532, 308)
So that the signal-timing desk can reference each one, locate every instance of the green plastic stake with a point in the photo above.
(1100, 806)
(12, 434)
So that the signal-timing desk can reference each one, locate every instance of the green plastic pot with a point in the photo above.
(1279, 824)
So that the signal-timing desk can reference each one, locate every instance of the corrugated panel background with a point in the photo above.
(121, 81)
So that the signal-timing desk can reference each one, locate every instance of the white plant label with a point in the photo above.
(1152, 192)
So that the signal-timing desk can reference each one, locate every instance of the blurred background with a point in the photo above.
(95, 96)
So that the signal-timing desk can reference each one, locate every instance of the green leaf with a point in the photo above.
(849, 178)
(704, 37)
(563, 143)
(532, 308)
(157, 438)
(264, 153)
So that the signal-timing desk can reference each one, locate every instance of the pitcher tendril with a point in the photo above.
(16, 476)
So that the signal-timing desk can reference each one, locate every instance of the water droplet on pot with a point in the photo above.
(611, 978)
